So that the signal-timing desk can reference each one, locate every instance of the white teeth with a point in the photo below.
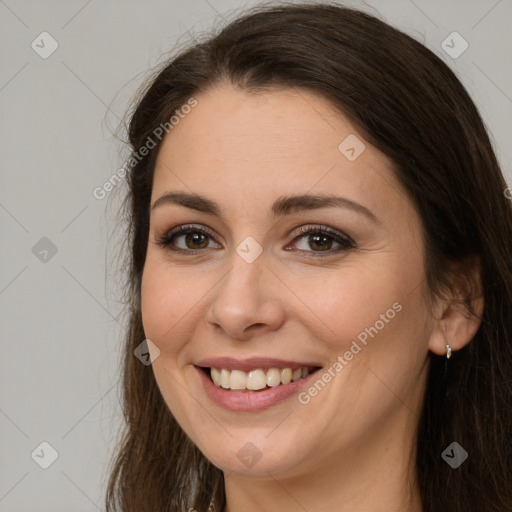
(238, 380)
(215, 376)
(256, 379)
(286, 375)
(296, 374)
(224, 378)
(273, 377)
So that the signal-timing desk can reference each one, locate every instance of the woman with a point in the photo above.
(320, 276)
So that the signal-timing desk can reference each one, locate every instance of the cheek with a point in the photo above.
(354, 299)
(375, 314)
(376, 344)
(167, 304)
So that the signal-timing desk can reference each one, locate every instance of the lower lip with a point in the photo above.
(250, 401)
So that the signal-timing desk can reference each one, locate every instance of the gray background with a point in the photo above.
(60, 327)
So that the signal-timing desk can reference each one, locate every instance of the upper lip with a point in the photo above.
(252, 363)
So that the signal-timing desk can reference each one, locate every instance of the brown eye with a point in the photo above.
(321, 240)
(193, 239)
(324, 243)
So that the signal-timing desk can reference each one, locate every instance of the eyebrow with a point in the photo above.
(284, 205)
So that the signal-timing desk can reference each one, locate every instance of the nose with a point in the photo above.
(247, 302)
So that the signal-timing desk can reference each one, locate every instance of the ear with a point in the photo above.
(461, 310)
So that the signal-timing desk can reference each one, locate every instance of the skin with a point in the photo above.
(352, 446)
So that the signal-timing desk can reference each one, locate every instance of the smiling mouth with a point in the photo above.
(258, 379)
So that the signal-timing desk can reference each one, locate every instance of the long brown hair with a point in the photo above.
(410, 105)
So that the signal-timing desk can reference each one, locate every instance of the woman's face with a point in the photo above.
(257, 299)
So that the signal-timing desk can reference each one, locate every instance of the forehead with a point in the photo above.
(255, 146)
(239, 124)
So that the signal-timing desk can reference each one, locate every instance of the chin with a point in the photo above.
(251, 456)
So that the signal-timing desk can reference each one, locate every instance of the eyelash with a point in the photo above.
(345, 241)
